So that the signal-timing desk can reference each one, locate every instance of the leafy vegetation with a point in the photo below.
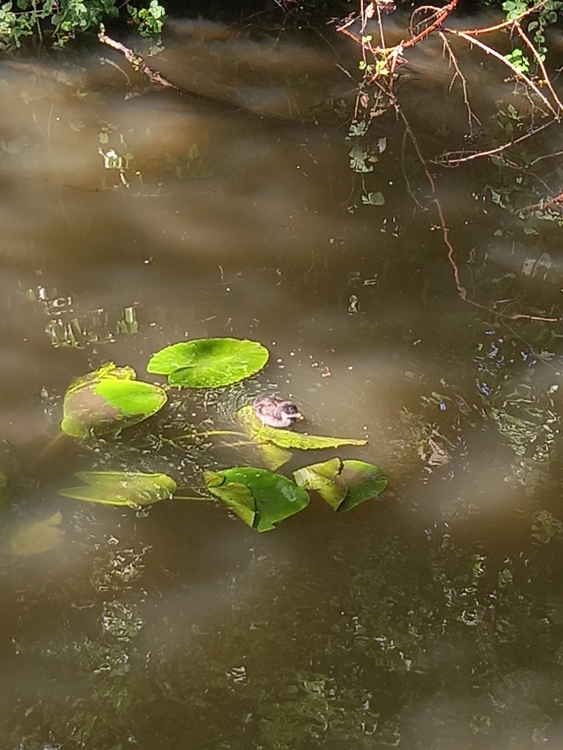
(108, 400)
(59, 22)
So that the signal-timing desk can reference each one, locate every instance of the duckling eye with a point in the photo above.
(290, 409)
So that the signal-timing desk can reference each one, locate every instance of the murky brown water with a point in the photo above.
(431, 619)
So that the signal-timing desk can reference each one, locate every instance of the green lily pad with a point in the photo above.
(288, 439)
(258, 496)
(209, 363)
(342, 484)
(122, 488)
(37, 537)
(108, 399)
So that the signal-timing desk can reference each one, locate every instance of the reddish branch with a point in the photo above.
(136, 61)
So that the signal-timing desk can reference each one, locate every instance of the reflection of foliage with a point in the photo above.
(545, 527)
(313, 710)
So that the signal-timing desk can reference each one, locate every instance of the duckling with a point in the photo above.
(275, 411)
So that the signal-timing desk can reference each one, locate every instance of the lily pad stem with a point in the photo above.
(219, 432)
(192, 497)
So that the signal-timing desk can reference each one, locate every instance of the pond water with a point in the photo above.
(134, 218)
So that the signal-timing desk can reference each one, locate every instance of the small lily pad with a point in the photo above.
(343, 484)
(258, 496)
(37, 537)
(122, 488)
(261, 433)
(209, 363)
(108, 399)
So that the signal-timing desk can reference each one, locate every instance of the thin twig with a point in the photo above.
(453, 162)
(546, 156)
(541, 66)
(136, 61)
(507, 24)
(460, 288)
(518, 73)
(458, 74)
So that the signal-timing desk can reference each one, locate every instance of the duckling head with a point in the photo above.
(276, 412)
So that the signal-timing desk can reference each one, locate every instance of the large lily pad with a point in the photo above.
(209, 363)
(261, 433)
(122, 488)
(107, 400)
(342, 484)
(258, 496)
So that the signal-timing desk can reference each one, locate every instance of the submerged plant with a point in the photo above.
(122, 488)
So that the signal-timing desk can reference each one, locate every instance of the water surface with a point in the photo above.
(429, 619)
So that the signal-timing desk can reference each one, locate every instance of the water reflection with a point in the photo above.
(429, 620)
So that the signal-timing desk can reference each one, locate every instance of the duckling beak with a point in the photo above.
(299, 417)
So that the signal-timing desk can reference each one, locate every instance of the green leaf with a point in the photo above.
(122, 488)
(262, 433)
(258, 496)
(108, 399)
(35, 538)
(273, 456)
(209, 363)
(342, 484)
(237, 496)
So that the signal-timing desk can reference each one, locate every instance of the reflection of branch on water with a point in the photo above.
(460, 288)
(452, 159)
(381, 75)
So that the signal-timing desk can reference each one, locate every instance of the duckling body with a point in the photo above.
(276, 412)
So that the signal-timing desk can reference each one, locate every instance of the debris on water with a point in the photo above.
(353, 304)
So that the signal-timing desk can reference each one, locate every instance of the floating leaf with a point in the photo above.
(122, 488)
(262, 433)
(37, 537)
(109, 399)
(272, 456)
(258, 496)
(209, 363)
(237, 496)
(342, 484)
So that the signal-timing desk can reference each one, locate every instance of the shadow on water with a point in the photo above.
(431, 619)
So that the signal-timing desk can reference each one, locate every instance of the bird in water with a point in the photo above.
(276, 412)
